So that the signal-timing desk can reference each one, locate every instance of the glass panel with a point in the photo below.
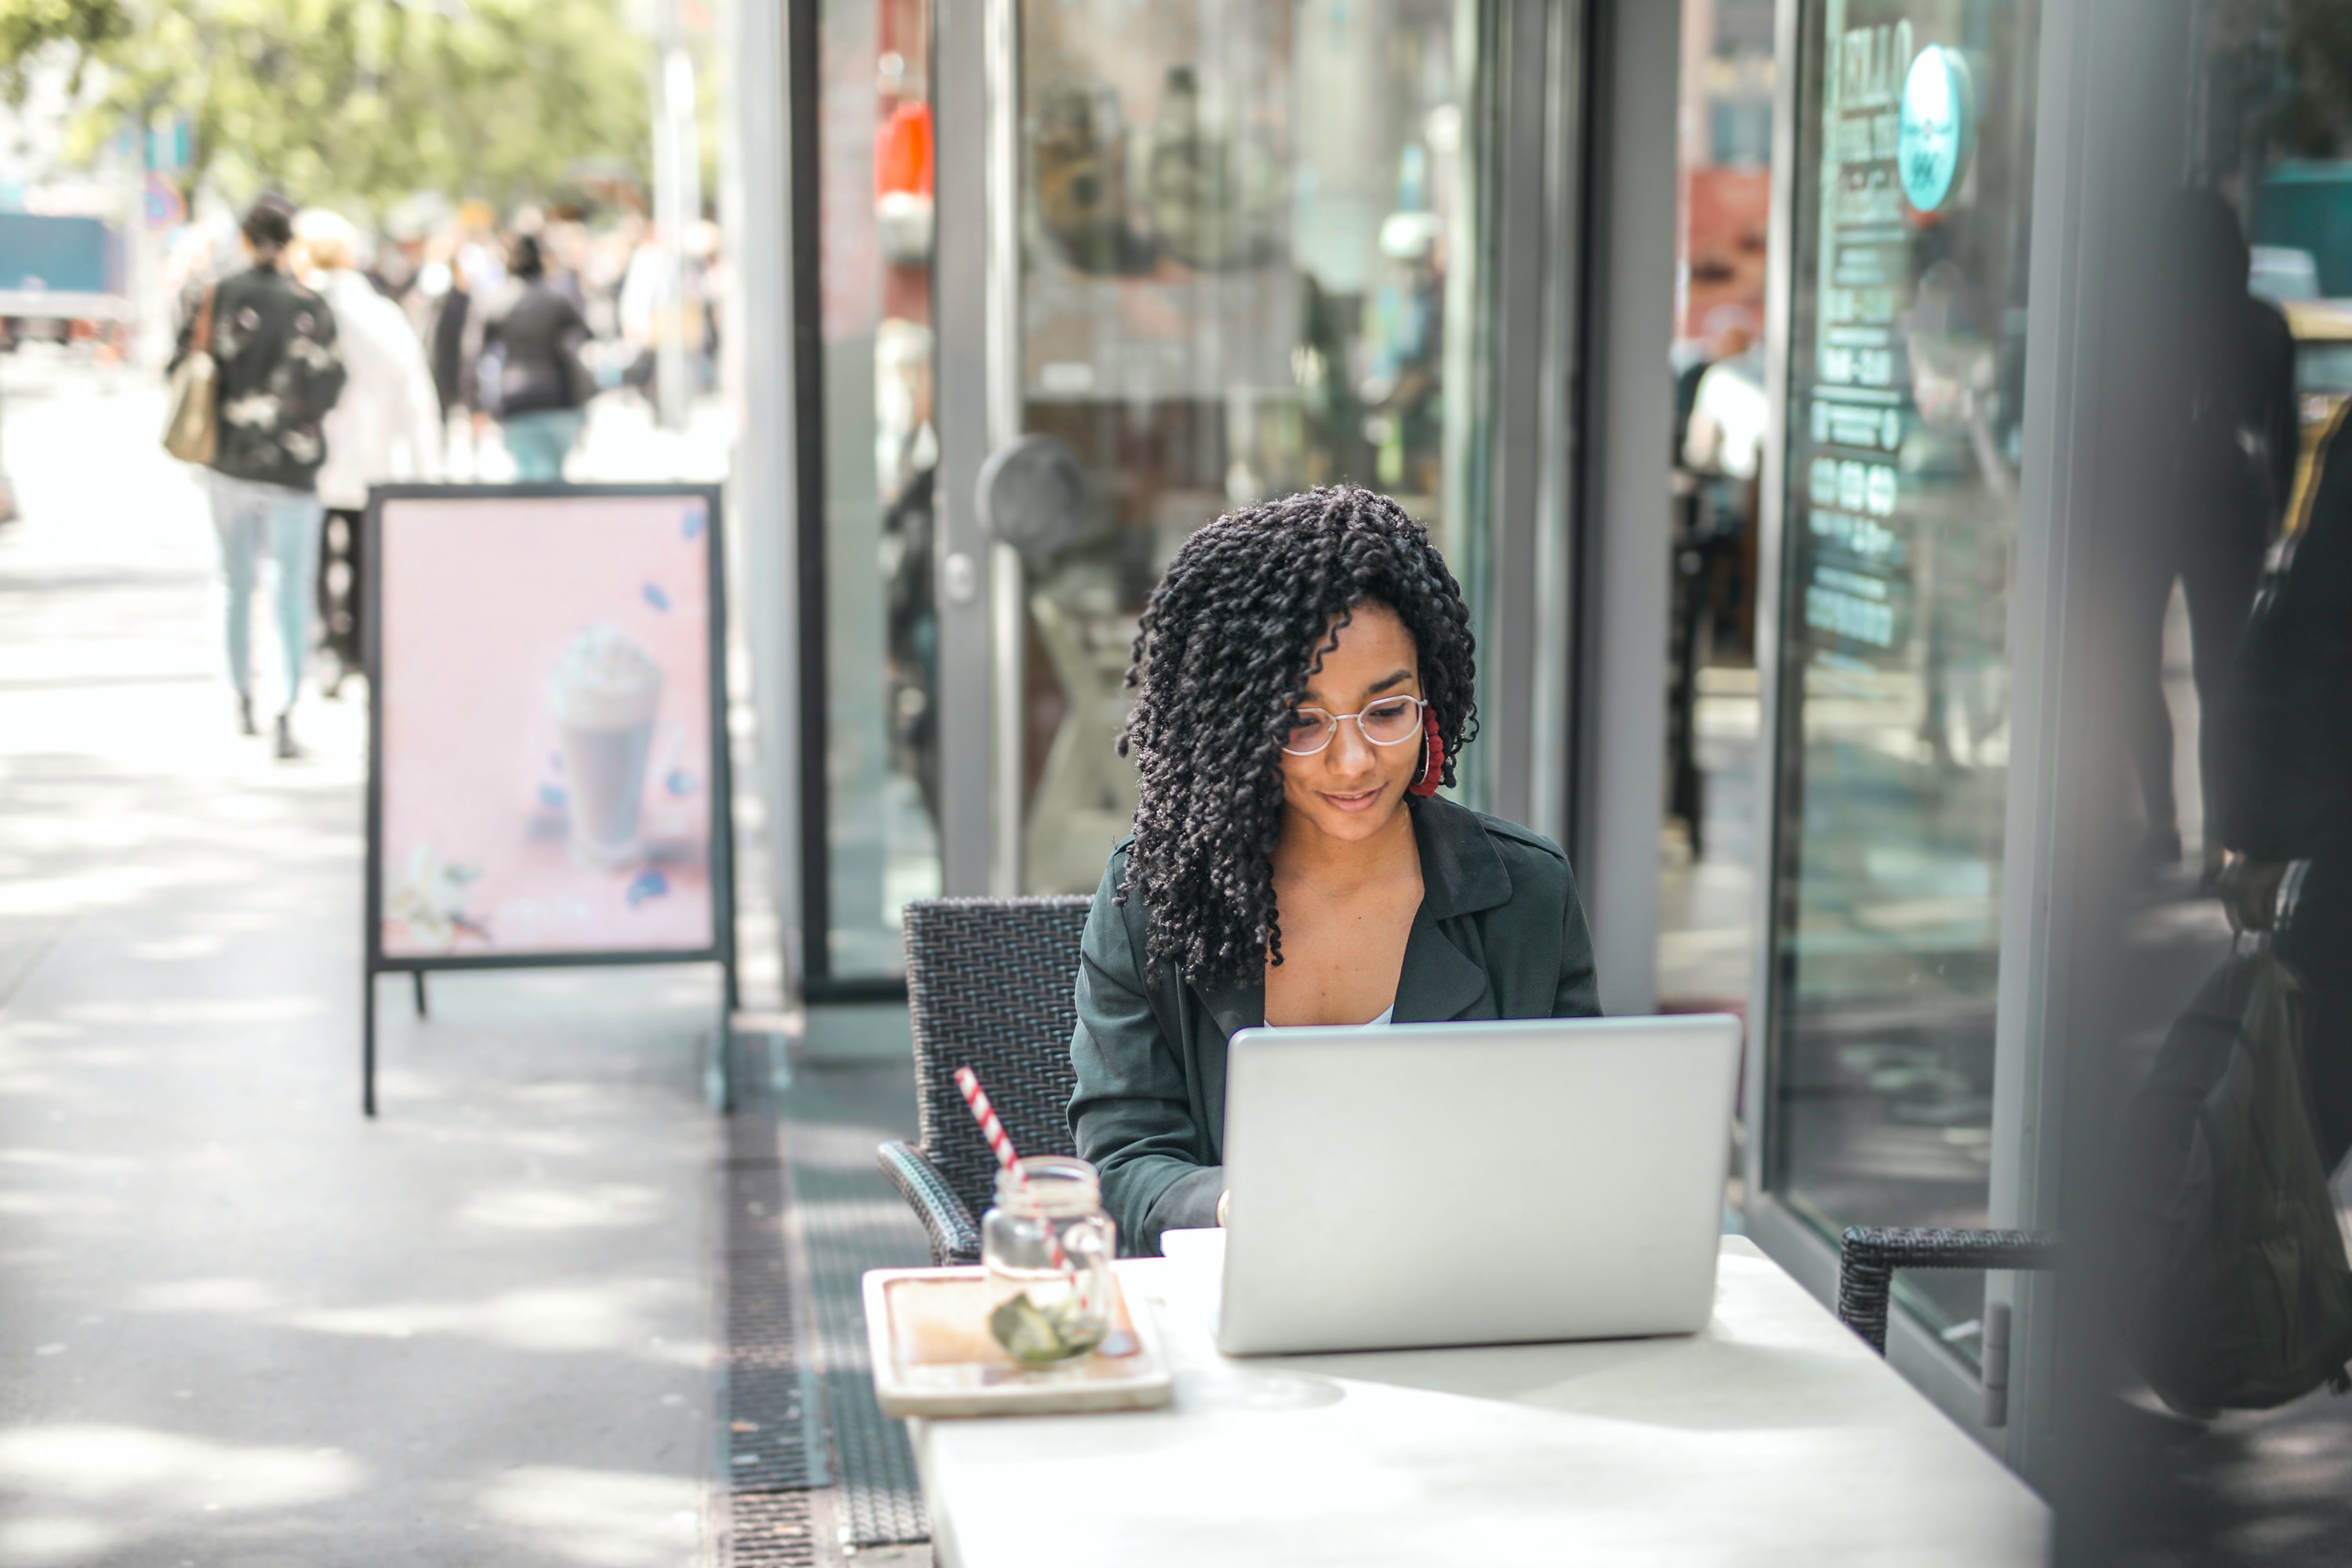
(1906, 364)
(881, 752)
(1706, 896)
(1249, 268)
(2237, 681)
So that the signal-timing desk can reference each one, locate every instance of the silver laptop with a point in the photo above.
(1475, 1183)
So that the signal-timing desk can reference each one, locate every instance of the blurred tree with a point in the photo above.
(2288, 71)
(2318, 121)
(30, 29)
(354, 102)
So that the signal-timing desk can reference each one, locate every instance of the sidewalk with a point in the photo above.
(242, 1326)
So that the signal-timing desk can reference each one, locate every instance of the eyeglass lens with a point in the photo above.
(1384, 723)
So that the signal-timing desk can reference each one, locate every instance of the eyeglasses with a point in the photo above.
(1391, 722)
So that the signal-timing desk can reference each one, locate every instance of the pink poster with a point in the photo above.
(544, 725)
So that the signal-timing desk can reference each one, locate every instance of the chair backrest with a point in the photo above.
(991, 986)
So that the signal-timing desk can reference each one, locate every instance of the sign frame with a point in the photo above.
(721, 948)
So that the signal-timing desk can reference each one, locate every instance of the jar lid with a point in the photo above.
(1058, 1187)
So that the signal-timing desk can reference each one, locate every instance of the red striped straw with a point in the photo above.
(993, 1130)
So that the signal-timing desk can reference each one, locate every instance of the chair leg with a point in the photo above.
(1865, 1280)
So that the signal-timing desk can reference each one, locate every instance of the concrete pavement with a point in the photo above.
(237, 1324)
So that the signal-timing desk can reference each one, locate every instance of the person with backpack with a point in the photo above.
(275, 375)
(2237, 1290)
(532, 378)
(2289, 825)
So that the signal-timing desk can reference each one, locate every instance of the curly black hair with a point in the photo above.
(1226, 645)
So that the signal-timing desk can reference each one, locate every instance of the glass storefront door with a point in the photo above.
(1248, 263)
(1905, 355)
(867, 454)
(1219, 252)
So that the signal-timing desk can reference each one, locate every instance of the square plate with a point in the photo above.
(933, 1355)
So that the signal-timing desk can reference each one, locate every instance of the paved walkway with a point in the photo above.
(237, 1324)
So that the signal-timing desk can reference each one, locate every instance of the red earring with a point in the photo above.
(1432, 757)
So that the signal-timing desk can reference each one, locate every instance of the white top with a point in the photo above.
(1773, 1436)
(1388, 1016)
(387, 423)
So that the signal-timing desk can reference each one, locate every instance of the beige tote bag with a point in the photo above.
(192, 433)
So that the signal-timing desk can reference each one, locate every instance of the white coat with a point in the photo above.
(387, 424)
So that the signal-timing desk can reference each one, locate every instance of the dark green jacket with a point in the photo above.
(1500, 934)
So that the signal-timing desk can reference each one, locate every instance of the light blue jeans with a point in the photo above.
(540, 441)
(252, 518)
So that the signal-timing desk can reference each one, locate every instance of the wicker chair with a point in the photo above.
(1867, 1259)
(991, 986)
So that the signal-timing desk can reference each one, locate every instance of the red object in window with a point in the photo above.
(902, 153)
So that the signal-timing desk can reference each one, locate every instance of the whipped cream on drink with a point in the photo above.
(605, 692)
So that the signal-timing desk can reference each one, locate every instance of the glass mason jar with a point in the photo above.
(1041, 1311)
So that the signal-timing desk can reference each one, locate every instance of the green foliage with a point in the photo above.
(2318, 121)
(359, 103)
(31, 28)
(2290, 73)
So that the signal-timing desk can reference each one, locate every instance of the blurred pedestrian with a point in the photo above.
(2289, 801)
(278, 374)
(639, 307)
(446, 313)
(532, 376)
(386, 427)
(2230, 451)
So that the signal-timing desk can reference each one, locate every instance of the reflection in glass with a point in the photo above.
(1246, 235)
(1707, 892)
(1906, 363)
(2249, 458)
(881, 749)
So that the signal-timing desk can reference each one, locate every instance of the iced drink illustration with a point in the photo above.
(604, 693)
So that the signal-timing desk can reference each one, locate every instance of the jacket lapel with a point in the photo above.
(1234, 1007)
(1438, 981)
(1231, 1009)
(1460, 875)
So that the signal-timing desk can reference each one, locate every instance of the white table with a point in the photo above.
(1774, 1436)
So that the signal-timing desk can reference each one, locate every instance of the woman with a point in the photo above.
(280, 371)
(532, 372)
(386, 427)
(1306, 684)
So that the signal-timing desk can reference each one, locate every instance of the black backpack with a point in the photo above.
(2236, 1292)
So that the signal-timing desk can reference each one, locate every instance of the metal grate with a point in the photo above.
(852, 1220)
(773, 1448)
(770, 1530)
(772, 1443)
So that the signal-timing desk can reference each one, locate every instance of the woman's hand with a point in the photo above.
(1223, 1198)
